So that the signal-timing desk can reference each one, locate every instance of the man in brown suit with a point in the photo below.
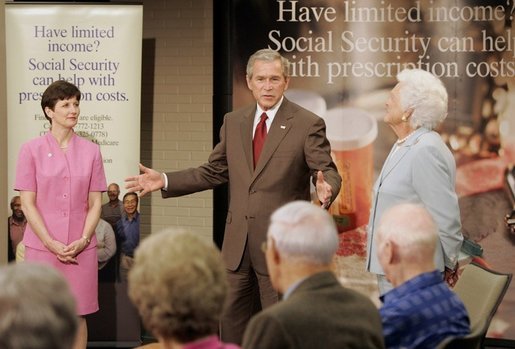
(295, 150)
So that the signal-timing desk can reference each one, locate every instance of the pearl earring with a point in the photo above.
(404, 118)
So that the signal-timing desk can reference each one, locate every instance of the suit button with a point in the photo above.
(246, 217)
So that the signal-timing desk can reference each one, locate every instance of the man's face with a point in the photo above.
(130, 204)
(16, 208)
(267, 83)
(113, 192)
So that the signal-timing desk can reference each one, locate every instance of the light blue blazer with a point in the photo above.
(422, 171)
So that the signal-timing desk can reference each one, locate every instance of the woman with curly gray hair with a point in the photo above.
(178, 284)
(37, 308)
(419, 169)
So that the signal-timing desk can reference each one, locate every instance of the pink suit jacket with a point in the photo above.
(62, 182)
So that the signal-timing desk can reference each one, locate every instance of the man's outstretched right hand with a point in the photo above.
(148, 181)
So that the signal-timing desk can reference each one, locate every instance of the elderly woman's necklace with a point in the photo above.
(402, 140)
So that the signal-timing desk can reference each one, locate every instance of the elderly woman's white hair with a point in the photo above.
(304, 231)
(426, 95)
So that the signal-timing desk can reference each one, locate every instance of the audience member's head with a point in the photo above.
(302, 240)
(17, 212)
(37, 309)
(178, 284)
(130, 204)
(407, 239)
(113, 191)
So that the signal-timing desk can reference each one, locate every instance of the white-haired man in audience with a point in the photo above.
(421, 310)
(42, 317)
(316, 311)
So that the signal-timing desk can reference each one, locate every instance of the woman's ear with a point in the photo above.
(49, 112)
(407, 114)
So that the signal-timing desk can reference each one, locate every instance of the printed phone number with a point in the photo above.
(82, 126)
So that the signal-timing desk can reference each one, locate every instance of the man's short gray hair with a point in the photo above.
(426, 95)
(268, 55)
(304, 231)
(37, 309)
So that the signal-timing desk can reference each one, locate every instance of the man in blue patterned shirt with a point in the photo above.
(421, 310)
(127, 233)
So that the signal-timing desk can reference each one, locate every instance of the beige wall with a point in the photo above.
(3, 140)
(177, 106)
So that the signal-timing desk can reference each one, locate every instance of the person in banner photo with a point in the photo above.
(419, 169)
(16, 224)
(60, 177)
(268, 153)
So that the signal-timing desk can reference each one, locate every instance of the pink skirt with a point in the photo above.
(82, 277)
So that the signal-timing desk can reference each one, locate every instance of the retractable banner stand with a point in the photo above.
(344, 58)
(98, 48)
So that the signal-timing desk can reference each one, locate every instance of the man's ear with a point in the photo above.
(389, 252)
(407, 114)
(247, 78)
(276, 257)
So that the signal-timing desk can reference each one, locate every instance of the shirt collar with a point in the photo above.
(270, 112)
(292, 288)
(413, 285)
(16, 222)
(134, 218)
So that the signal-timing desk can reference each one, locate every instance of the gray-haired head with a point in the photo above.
(37, 309)
(412, 229)
(305, 232)
(426, 95)
(178, 283)
(268, 55)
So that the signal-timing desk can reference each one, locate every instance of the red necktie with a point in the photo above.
(259, 138)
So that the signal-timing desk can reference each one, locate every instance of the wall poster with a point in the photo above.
(344, 58)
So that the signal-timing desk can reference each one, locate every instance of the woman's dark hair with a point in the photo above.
(57, 91)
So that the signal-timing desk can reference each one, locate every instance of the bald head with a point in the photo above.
(407, 238)
(411, 228)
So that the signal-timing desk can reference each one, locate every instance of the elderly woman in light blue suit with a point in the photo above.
(419, 169)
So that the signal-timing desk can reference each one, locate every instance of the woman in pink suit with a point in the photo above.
(61, 178)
